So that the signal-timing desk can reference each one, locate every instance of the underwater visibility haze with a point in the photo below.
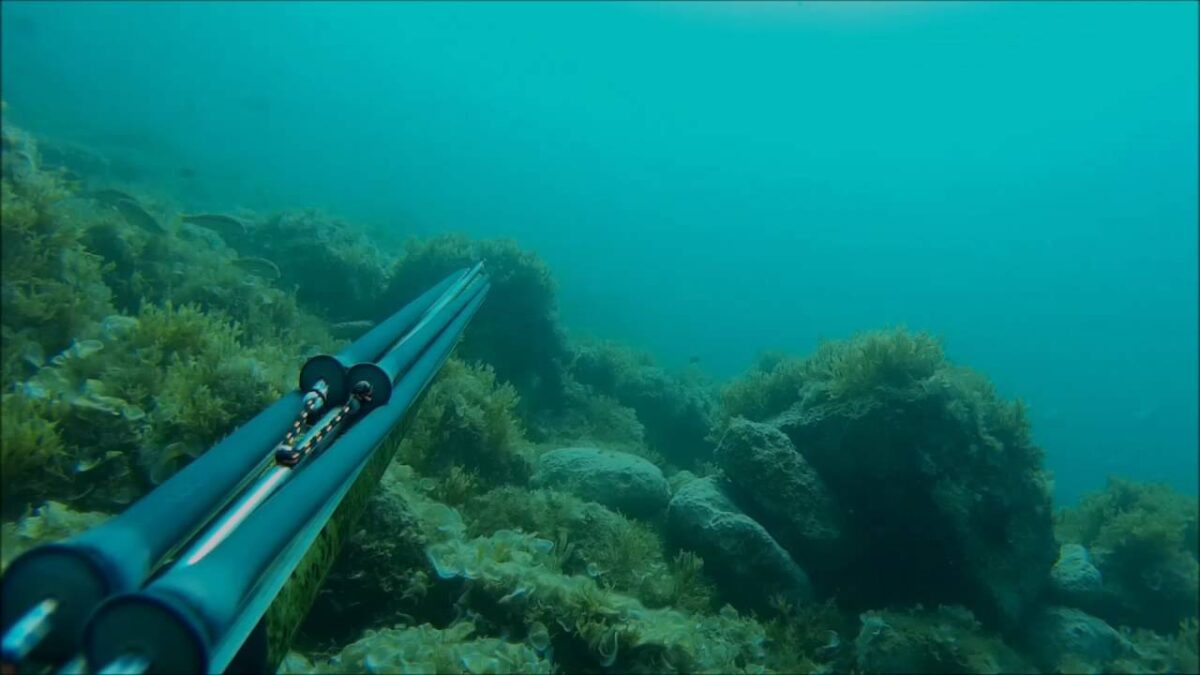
(903, 294)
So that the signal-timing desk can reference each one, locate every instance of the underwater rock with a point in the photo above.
(1074, 579)
(675, 410)
(618, 480)
(738, 553)
(1058, 633)
(928, 464)
(353, 269)
(776, 485)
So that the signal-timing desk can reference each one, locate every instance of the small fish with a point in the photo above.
(187, 172)
(259, 266)
(136, 215)
(226, 226)
(110, 196)
(350, 329)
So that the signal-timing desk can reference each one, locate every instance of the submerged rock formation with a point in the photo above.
(776, 485)
(618, 480)
(938, 482)
(749, 566)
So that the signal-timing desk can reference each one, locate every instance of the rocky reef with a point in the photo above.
(561, 503)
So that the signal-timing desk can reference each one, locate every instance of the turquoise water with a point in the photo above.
(711, 180)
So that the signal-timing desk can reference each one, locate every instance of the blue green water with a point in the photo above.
(711, 180)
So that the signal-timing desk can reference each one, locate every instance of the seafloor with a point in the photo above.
(562, 503)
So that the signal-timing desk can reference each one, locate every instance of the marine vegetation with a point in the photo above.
(468, 426)
(1143, 539)
(871, 507)
(622, 554)
(944, 640)
(516, 578)
(354, 272)
(51, 288)
(46, 524)
(592, 419)
(933, 472)
(425, 649)
(676, 412)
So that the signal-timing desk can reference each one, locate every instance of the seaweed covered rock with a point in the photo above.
(188, 268)
(1143, 539)
(1061, 638)
(622, 554)
(425, 649)
(467, 426)
(51, 286)
(517, 586)
(945, 640)
(738, 552)
(516, 331)
(1150, 652)
(935, 473)
(1074, 579)
(618, 480)
(588, 418)
(676, 411)
(774, 484)
(337, 271)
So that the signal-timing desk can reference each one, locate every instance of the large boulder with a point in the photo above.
(1074, 580)
(738, 553)
(1062, 635)
(938, 481)
(776, 485)
(618, 480)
